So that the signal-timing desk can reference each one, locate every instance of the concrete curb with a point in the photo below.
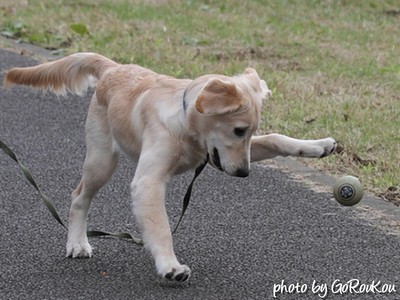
(38, 53)
(371, 208)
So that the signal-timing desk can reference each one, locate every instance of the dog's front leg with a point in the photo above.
(272, 145)
(148, 192)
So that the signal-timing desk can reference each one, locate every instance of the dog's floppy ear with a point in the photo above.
(218, 97)
(258, 83)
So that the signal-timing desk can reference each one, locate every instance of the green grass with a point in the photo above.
(333, 66)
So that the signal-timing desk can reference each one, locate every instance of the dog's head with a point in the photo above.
(225, 114)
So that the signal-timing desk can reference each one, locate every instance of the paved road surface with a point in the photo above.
(241, 237)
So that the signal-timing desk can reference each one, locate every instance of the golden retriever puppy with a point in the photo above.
(168, 126)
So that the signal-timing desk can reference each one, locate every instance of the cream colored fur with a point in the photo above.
(168, 126)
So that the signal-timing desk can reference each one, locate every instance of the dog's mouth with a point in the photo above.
(242, 171)
(216, 160)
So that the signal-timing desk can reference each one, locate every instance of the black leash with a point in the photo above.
(95, 233)
(186, 199)
(28, 176)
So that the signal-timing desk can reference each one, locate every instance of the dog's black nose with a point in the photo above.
(242, 172)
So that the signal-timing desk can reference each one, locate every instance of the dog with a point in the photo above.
(168, 126)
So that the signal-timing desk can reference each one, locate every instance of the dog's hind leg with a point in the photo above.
(99, 165)
(272, 145)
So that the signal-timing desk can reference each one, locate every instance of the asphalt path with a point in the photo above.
(242, 238)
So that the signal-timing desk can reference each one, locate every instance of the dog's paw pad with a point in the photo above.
(79, 255)
(178, 276)
(169, 275)
(182, 277)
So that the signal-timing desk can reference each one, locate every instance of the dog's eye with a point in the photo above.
(240, 131)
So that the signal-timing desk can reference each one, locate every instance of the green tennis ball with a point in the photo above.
(348, 190)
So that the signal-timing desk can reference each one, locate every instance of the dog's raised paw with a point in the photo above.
(329, 146)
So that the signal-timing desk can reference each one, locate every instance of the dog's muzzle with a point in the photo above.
(239, 172)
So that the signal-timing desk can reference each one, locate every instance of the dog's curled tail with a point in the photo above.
(73, 73)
